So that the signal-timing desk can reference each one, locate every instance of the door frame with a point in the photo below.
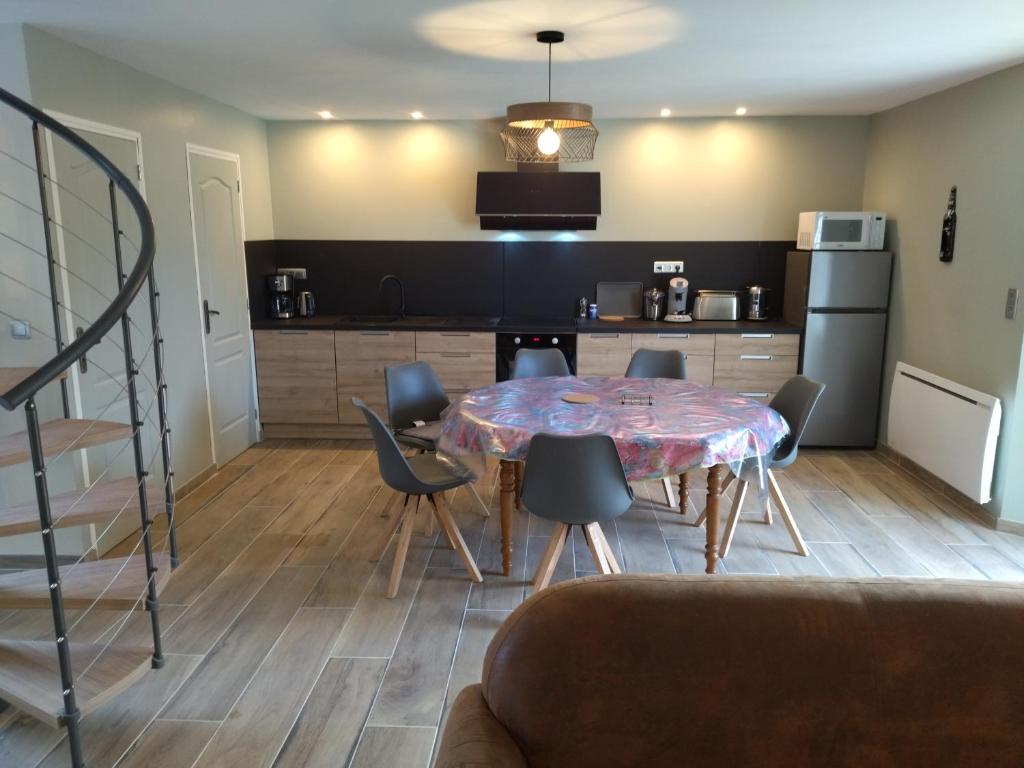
(220, 154)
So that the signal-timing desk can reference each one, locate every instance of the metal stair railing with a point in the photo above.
(69, 353)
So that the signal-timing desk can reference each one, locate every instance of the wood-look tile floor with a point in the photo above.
(283, 651)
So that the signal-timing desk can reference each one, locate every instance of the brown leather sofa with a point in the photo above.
(639, 670)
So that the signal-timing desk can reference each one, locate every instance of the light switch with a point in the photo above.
(21, 329)
(1012, 299)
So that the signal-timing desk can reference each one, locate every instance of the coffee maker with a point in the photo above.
(677, 290)
(281, 289)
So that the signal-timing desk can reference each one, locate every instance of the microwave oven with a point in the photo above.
(841, 231)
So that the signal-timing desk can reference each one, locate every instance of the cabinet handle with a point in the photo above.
(673, 335)
(756, 357)
(375, 333)
(456, 354)
(443, 333)
(293, 333)
(757, 335)
(753, 394)
(604, 335)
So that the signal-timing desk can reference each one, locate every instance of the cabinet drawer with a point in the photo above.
(603, 354)
(460, 371)
(757, 343)
(700, 368)
(455, 341)
(696, 343)
(295, 377)
(755, 372)
(362, 357)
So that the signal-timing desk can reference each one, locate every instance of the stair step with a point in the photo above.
(103, 503)
(99, 582)
(61, 434)
(30, 676)
(10, 377)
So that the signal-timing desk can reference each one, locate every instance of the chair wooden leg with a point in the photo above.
(786, 514)
(408, 523)
(670, 497)
(546, 568)
(392, 526)
(451, 529)
(483, 507)
(428, 521)
(597, 550)
(734, 517)
(609, 553)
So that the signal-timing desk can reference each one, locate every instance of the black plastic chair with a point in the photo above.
(416, 401)
(657, 364)
(538, 363)
(795, 403)
(415, 476)
(575, 480)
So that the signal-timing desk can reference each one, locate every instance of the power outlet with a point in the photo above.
(297, 273)
(668, 267)
(1012, 299)
(21, 329)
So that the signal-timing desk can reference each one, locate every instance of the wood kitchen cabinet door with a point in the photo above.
(756, 365)
(462, 360)
(697, 348)
(361, 358)
(295, 377)
(603, 354)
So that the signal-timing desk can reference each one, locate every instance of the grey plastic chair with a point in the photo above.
(415, 476)
(795, 403)
(538, 363)
(575, 480)
(415, 394)
(657, 364)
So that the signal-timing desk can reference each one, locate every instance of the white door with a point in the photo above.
(214, 189)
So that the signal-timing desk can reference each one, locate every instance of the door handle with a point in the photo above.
(83, 362)
(206, 315)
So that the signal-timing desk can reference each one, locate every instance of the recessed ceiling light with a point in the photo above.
(666, 112)
(417, 115)
(326, 114)
(741, 111)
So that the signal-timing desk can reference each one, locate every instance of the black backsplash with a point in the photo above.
(514, 279)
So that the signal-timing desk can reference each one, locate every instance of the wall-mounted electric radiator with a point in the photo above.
(945, 427)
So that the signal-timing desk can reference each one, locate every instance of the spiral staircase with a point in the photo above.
(58, 680)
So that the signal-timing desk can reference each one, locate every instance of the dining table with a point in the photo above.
(661, 428)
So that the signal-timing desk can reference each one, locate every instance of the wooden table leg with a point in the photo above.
(684, 493)
(519, 483)
(507, 484)
(712, 511)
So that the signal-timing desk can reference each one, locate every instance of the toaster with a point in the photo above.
(716, 305)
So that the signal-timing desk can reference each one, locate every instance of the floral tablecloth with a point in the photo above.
(687, 426)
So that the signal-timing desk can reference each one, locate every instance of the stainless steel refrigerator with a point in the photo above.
(841, 298)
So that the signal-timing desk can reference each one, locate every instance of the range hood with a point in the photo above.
(538, 201)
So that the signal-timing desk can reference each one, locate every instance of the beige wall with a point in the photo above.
(74, 81)
(948, 318)
(733, 179)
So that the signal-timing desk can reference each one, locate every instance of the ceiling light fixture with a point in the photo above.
(326, 114)
(417, 115)
(549, 131)
(666, 112)
(741, 111)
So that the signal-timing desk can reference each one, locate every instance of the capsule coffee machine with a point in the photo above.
(281, 289)
(677, 290)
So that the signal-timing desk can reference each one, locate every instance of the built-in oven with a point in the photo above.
(507, 343)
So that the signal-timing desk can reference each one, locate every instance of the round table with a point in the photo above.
(686, 426)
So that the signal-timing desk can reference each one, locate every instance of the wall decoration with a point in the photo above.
(948, 228)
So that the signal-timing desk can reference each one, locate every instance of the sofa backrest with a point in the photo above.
(639, 670)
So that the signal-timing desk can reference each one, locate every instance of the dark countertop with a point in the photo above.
(486, 324)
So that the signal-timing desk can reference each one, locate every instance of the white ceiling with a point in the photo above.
(287, 59)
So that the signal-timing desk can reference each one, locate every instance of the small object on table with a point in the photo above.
(592, 312)
(612, 318)
(636, 398)
(580, 398)
(583, 307)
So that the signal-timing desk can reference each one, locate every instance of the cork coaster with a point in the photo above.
(580, 398)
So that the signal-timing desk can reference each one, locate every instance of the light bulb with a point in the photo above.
(549, 141)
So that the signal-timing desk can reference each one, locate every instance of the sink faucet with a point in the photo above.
(401, 287)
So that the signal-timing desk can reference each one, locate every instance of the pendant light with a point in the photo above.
(549, 131)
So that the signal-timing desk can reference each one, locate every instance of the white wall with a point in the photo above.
(686, 179)
(74, 81)
(948, 318)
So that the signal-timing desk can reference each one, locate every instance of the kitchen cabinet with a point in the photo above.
(697, 348)
(295, 375)
(756, 364)
(603, 354)
(461, 359)
(361, 357)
